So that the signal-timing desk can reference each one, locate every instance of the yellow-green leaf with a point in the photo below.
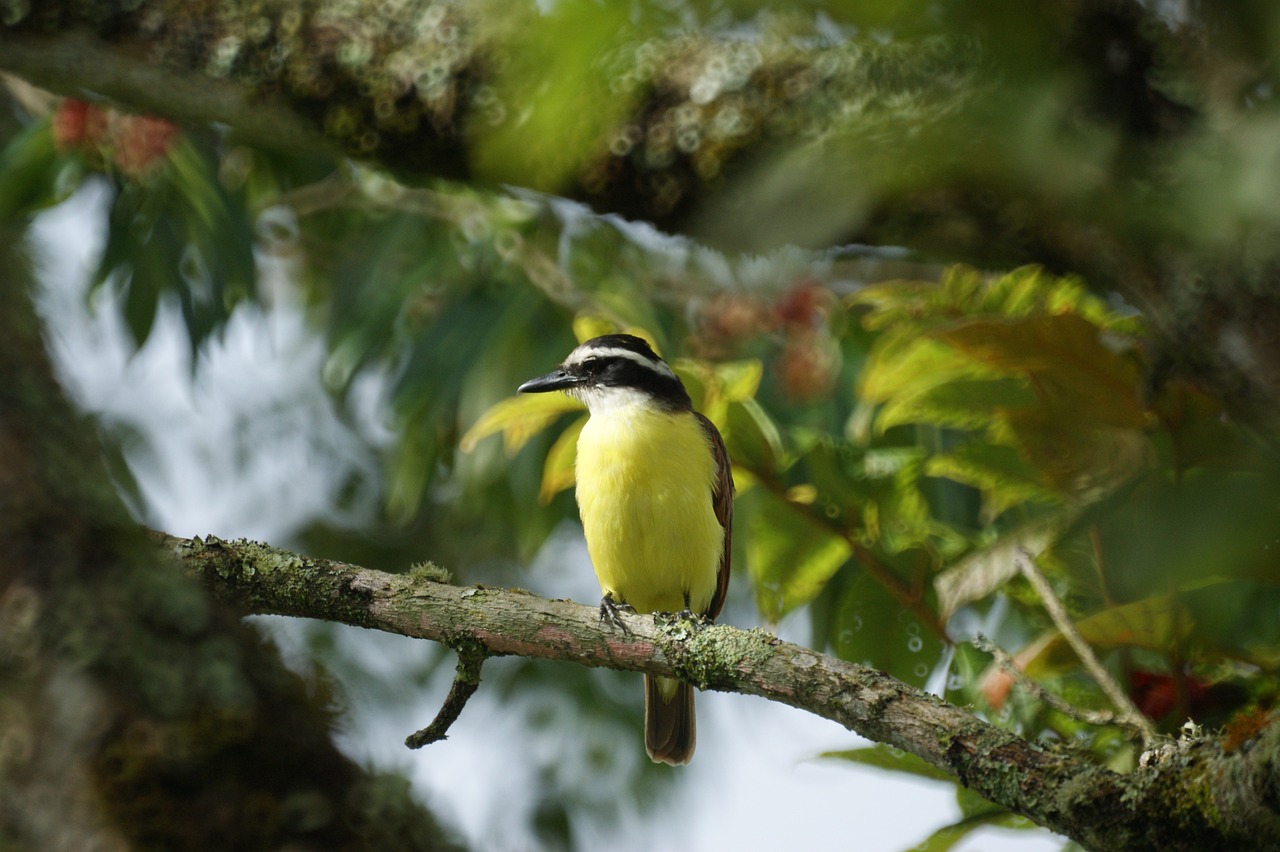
(1149, 623)
(519, 418)
(557, 471)
(1067, 360)
(790, 554)
(752, 438)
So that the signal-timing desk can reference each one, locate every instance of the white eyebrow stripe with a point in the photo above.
(579, 355)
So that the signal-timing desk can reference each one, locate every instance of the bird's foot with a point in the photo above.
(609, 609)
(698, 619)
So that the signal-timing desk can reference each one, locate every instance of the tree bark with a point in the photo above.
(929, 143)
(135, 711)
(1197, 794)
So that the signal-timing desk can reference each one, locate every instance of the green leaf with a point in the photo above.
(558, 470)
(1149, 623)
(790, 554)
(1066, 360)
(738, 381)
(752, 438)
(984, 571)
(33, 175)
(886, 757)
(954, 402)
(873, 627)
(519, 418)
(965, 292)
(1003, 476)
(948, 836)
(179, 231)
(906, 365)
(554, 99)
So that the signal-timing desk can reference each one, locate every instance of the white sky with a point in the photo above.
(753, 784)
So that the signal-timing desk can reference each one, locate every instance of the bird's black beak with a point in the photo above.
(557, 380)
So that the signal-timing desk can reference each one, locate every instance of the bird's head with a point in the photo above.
(614, 370)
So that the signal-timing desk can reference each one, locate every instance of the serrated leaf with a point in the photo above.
(965, 292)
(954, 402)
(518, 418)
(790, 554)
(902, 364)
(558, 471)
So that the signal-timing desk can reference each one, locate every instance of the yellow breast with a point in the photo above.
(644, 492)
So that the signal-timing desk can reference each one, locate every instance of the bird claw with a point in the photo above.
(609, 609)
(697, 619)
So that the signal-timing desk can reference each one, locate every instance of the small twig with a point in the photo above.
(1128, 715)
(466, 681)
(1010, 667)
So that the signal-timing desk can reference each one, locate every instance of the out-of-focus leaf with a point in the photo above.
(1065, 358)
(553, 98)
(984, 571)
(33, 174)
(976, 811)
(1171, 534)
(946, 838)
(873, 627)
(1034, 364)
(752, 438)
(790, 554)
(1149, 623)
(898, 517)
(587, 326)
(714, 387)
(179, 231)
(738, 381)
(886, 757)
(558, 472)
(1237, 618)
(1003, 476)
(519, 418)
(966, 292)
(958, 404)
(907, 365)
(1209, 620)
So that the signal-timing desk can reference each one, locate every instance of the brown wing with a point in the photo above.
(722, 501)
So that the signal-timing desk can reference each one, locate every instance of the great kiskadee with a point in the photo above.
(656, 498)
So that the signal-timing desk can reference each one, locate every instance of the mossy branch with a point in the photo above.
(935, 144)
(1196, 795)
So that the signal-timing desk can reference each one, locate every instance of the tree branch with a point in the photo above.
(1127, 714)
(1208, 799)
(465, 683)
(754, 143)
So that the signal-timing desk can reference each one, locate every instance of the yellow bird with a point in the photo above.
(656, 498)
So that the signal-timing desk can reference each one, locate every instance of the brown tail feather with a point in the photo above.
(670, 732)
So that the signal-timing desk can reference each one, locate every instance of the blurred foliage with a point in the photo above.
(896, 441)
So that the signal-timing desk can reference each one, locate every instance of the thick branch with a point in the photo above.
(1204, 800)
(932, 143)
(74, 63)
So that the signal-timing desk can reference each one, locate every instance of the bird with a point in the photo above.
(655, 495)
